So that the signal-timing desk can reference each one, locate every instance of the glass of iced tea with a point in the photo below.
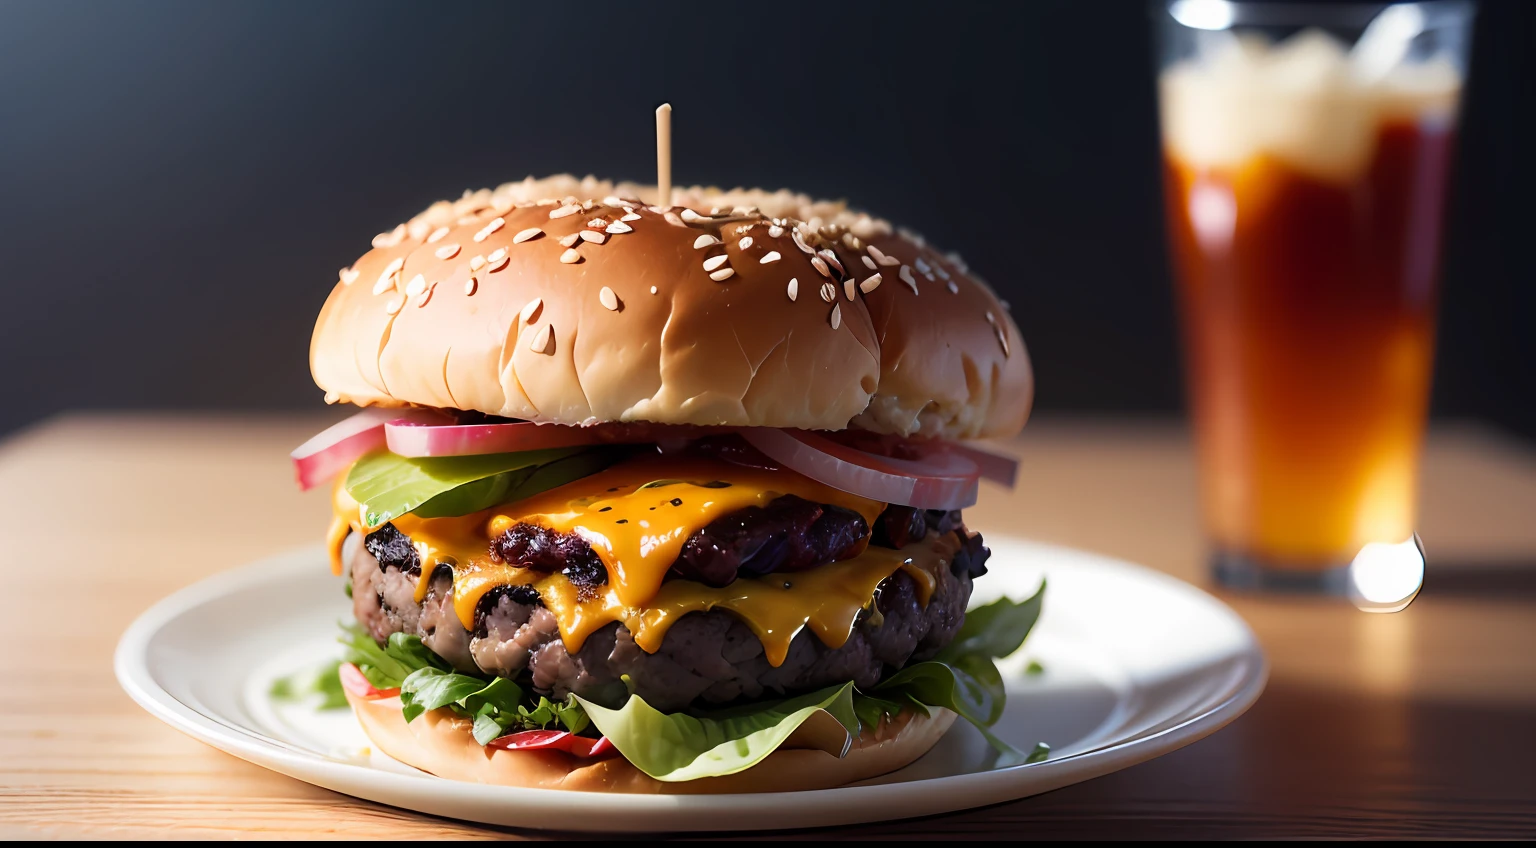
(1306, 154)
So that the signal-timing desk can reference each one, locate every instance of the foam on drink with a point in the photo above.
(1306, 101)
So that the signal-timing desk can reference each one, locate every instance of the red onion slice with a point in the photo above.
(335, 448)
(426, 438)
(942, 480)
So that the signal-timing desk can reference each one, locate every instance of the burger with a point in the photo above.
(664, 498)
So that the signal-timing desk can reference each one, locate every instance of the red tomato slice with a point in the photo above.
(355, 682)
(418, 438)
(554, 740)
(940, 480)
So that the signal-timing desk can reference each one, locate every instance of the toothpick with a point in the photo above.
(664, 155)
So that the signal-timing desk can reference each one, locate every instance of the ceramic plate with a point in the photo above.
(1132, 664)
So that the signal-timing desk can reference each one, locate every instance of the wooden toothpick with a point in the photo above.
(664, 155)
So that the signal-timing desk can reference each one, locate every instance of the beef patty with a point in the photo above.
(706, 657)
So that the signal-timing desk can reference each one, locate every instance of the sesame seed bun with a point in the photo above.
(572, 302)
(441, 743)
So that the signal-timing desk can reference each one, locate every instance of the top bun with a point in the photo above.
(571, 301)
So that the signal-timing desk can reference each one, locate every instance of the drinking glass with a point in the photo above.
(1306, 154)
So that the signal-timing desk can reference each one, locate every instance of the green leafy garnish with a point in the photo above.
(323, 681)
(678, 746)
(1039, 754)
(389, 486)
(1034, 669)
(497, 705)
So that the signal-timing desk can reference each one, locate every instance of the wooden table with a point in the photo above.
(1416, 724)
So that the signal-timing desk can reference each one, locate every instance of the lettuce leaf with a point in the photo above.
(323, 680)
(389, 486)
(675, 747)
(497, 705)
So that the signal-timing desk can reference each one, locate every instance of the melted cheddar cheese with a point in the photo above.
(636, 516)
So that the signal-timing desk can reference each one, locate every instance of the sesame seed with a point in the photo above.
(831, 259)
(567, 209)
(1005, 305)
(497, 255)
(570, 257)
(828, 292)
(531, 310)
(881, 257)
(492, 227)
(653, 289)
(608, 299)
(394, 305)
(704, 241)
(868, 263)
(870, 284)
(746, 242)
(391, 238)
(630, 217)
(437, 235)
(671, 218)
(418, 284)
(770, 256)
(848, 288)
(906, 277)
(921, 265)
(470, 285)
(597, 223)
(349, 276)
(794, 288)
(939, 269)
(543, 340)
(477, 263)
(991, 319)
(800, 242)
(955, 260)
(612, 200)
(722, 275)
(953, 289)
(837, 316)
(498, 264)
(427, 296)
(593, 236)
(531, 232)
(332, 397)
(852, 241)
(388, 279)
(1002, 339)
(466, 220)
(618, 228)
(447, 251)
(821, 266)
(775, 231)
(570, 240)
(693, 217)
(714, 262)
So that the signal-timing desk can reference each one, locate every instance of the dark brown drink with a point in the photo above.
(1307, 268)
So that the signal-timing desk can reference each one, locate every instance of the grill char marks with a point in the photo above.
(393, 549)
(542, 549)
(900, 526)
(790, 534)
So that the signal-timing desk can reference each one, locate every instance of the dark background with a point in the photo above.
(181, 180)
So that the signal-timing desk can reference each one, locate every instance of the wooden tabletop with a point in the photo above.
(1417, 724)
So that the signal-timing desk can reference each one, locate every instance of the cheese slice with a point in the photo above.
(636, 516)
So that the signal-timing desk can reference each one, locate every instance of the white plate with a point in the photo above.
(1136, 664)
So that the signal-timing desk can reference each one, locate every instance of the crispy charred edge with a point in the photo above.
(790, 534)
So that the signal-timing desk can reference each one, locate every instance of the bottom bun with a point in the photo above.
(440, 742)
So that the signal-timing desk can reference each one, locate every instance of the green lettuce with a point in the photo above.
(683, 746)
(323, 680)
(497, 705)
(389, 486)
